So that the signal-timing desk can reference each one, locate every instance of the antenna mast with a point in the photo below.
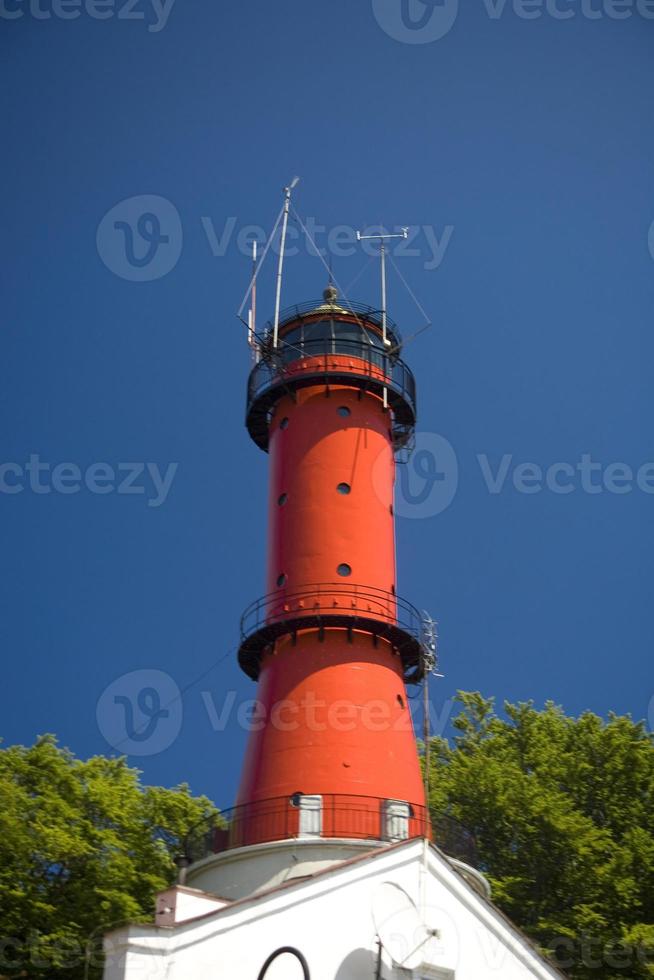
(429, 644)
(381, 238)
(287, 203)
(252, 312)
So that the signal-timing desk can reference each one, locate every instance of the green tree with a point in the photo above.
(563, 813)
(84, 847)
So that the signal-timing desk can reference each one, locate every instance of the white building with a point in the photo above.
(348, 911)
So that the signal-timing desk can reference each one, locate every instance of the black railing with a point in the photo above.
(338, 816)
(333, 605)
(332, 597)
(335, 361)
(360, 311)
(454, 838)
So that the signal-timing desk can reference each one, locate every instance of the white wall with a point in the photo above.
(246, 870)
(329, 918)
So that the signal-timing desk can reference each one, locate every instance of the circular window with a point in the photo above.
(344, 411)
(281, 580)
(344, 488)
(281, 500)
(283, 424)
(344, 570)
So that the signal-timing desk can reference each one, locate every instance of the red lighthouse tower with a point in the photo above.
(331, 644)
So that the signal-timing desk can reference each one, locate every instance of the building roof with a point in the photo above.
(366, 857)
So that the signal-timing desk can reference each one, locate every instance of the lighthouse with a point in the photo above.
(331, 644)
(329, 866)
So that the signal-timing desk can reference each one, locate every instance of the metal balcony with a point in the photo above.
(333, 605)
(312, 309)
(334, 361)
(332, 816)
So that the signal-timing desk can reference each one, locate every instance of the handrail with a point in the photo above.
(280, 605)
(342, 815)
(344, 307)
(337, 606)
(329, 357)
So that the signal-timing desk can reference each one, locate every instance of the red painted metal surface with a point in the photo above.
(353, 817)
(333, 715)
(316, 529)
(333, 718)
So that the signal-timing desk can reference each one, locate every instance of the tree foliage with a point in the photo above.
(84, 847)
(562, 810)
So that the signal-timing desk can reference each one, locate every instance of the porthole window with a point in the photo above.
(344, 411)
(281, 500)
(344, 488)
(344, 570)
(284, 423)
(281, 580)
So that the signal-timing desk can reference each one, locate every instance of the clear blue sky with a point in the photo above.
(531, 138)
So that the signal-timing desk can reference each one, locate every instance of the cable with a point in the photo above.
(320, 256)
(408, 288)
(259, 264)
(178, 697)
(360, 272)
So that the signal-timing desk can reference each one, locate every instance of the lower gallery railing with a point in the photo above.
(333, 816)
